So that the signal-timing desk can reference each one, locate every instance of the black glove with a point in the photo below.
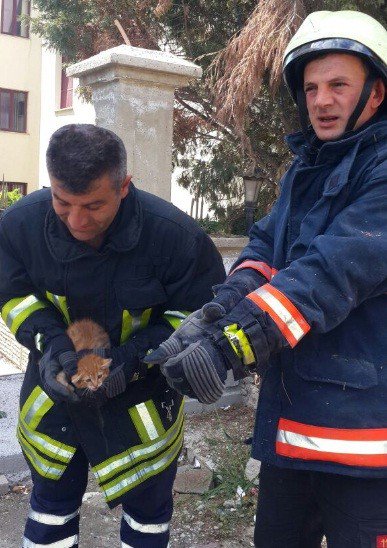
(49, 367)
(200, 324)
(199, 371)
(127, 360)
(256, 331)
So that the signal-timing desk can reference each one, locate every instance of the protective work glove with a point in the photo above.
(201, 323)
(242, 340)
(59, 356)
(127, 360)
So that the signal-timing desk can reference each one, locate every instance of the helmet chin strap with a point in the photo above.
(364, 96)
(303, 110)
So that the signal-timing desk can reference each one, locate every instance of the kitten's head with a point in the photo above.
(92, 371)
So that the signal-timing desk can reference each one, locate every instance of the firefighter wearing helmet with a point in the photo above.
(305, 303)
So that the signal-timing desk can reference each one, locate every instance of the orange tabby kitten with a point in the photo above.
(92, 369)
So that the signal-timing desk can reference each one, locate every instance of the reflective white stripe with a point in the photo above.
(51, 519)
(65, 543)
(57, 451)
(282, 312)
(147, 421)
(347, 447)
(153, 528)
(37, 404)
(176, 314)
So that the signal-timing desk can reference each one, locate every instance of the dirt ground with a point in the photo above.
(218, 519)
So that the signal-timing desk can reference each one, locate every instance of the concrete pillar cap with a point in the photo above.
(142, 59)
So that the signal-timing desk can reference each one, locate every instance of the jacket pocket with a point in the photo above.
(335, 369)
(140, 293)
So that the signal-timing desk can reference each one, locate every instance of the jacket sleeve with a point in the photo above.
(342, 268)
(29, 316)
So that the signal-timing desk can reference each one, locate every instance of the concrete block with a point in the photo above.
(193, 480)
(4, 485)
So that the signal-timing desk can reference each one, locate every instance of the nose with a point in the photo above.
(323, 97)
(77, 219)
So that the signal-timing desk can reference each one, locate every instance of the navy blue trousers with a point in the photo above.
(296, 508)
(55, 507)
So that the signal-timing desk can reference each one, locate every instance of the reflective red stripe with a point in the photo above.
(350, 434)
(261, 267)
(294, 452)
(290, 332)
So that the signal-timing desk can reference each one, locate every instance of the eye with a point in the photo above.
(100, 376)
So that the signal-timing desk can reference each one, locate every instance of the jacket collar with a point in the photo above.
(318, 152)
(122, 235)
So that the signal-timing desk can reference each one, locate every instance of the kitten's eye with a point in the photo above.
(88, 380)
(100, 376)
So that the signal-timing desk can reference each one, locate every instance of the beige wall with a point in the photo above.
(20, 68)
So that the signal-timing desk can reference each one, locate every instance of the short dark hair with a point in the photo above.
(78, 154)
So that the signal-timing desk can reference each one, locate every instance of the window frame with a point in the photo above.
(12, 92)
(65, 90)
(11, 185)
(14, 19)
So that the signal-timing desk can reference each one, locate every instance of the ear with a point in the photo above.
(75, 378)
(378, 93)
(106, 364)
(125, 186)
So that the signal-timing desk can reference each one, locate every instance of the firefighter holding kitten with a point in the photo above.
(93, 246)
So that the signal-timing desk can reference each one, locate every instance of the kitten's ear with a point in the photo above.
(76, 378)
(106, 364)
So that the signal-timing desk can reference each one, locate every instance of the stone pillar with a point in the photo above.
(133, 95)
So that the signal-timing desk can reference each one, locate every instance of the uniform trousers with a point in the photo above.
(53, 520)
(296, 508)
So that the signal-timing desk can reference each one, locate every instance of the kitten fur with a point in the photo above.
(92, 370)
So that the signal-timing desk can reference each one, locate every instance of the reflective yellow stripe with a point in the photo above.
(147, 421)
(17, 310)
(175, 317)
(60, 302)
(135, 455)
(44, 467)
(35, 407)
(47, 445)
(32, 412)
(239, 342)
(131, 324)
(149, 468)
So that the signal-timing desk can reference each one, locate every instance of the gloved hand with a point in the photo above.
(127, 360)
(248, 323)
(201, 323)
(199, 371)
(245, 337)
(49, 367)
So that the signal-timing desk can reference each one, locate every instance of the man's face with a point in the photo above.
(332, 86)
(87, 216)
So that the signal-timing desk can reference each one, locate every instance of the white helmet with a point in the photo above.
(325, 32)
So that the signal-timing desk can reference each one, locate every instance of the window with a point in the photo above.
(66, 90)
(10, 17)
(13, 110)
(12, 186)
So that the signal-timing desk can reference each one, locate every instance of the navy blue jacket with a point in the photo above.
(323, 252)
(155, 259)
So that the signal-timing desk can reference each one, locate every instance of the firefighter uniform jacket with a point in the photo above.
(323, 252)
(155, 263)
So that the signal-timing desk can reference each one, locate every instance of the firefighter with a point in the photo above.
(93, 246)
(305, 304)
